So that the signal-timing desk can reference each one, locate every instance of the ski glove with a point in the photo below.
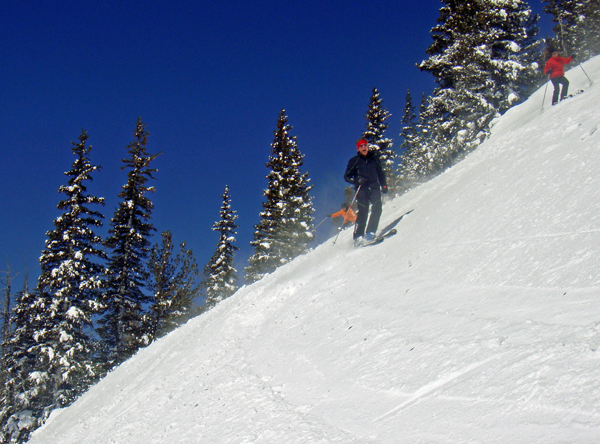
(384, 189)
(573, 56)
(361, 180)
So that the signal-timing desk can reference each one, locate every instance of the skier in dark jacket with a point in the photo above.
(364, 170)
(556, 68)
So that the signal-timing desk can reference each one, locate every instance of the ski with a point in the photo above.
(379, 239)
(576, 93)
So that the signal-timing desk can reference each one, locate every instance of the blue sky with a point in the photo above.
(209, 80)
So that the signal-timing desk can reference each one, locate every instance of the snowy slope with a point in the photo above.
(478, 323)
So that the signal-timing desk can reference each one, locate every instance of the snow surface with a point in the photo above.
(479, 322)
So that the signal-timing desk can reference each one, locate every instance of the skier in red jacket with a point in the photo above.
(556, 68)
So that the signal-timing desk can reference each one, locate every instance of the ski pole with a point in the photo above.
(588, 77)
(350, 207)
(545, 89)
(326, 217)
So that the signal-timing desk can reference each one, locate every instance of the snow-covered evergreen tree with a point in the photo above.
(374, 133)
(482, 58)
(5, 349)
(417, 161)
(173, 286)
(410, 143)
(577, 27)
(484, 40)
(590, 45)
(70, 282)
(286, 226)
(221, 276)
(566, 16)
(6, 330)
(409, 126)
(430, 155)
(62, 345)
(123, 329)
(22, 409)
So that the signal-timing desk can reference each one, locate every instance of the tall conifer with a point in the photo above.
(123, 327)
(221, 277)
(409, 144)
(482, 58)
(58, 335)
(374, 133)
(22, 410)
(577, 27)
(286, 226)
(6, 330)
(172, 284)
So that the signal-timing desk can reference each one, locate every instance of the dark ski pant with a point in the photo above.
(556, 82)
(366, 196)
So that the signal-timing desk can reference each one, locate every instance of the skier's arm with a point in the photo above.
(381, 174)
(350, 174)
(565, 60)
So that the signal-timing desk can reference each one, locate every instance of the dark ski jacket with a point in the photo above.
(366, 170)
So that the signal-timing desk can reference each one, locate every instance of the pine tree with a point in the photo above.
(410, 143)
(409, 129)
(123, 327)
(5, 352)
(286, 226)
(52, 344)
(264, 259)
(577, 26)
(428, 153)
(482, 58)
(374, 133)
(221, 276)
(421, 160)
(22, 410)
(417, 161)
(6, 330)
(60, 348)
(173, 286)
(590, 40)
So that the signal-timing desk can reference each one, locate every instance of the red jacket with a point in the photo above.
(557, 65)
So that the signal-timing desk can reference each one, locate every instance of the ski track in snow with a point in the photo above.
(478, 322)
(429, 388)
